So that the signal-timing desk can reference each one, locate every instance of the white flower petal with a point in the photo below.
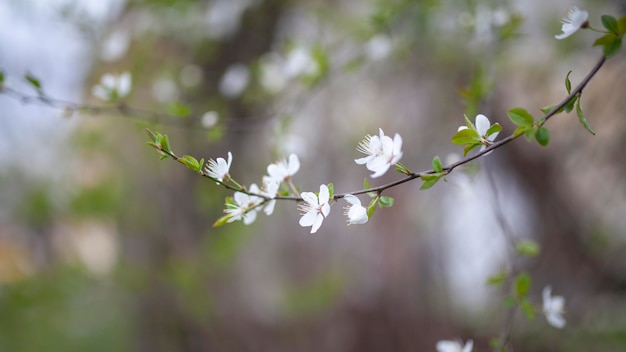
(324, 195)
(482, 124)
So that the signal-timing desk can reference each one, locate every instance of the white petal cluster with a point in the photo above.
(113, 87)
(246, 206)
(574, 20)
(283, 169)
(381, 152)
(218, 169)
(553, 308)
(356, 213)
(482, 126)
(454, 346)
(315, 208)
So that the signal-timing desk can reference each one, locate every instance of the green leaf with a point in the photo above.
(468, 147)
(610, 23)
(568, 84)
(331, 190)
(1, 78)
(223, 220)
(154, 136)
(165, 143)
(522, 285)
(570, 104)
(437, 164)
(385, 201)
(527, 248)
(547, 109)
(33, 81)
(401, 168)
(366, 184)
(497, 279)
(493, 129)
(542, 135)
(610, 43)
(466, 136)
(190, 162)
(583, 119)
(621, 25)
(429, 180)
(179, 109)
(528, 309)
(521, 117)
(372, 207)
(469, 123)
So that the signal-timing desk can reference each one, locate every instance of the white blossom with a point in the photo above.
(356, 213)
(553, 308)
(113, 87)
(218, 169)
(315, 208)
(283, 169)
(574, 20)
(245, 207)
(381, 151)
(454, 346)
(270, 190)
(234, 81)
(482, 126)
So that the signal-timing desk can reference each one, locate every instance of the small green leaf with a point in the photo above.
(401, 168)
(583, 119)
(366, 184)
(468, 147)
(542, 136)
(522, 285)
(179, 109)
(570, 104)
(372, 207)
(331, 190)
(621, 25)
(547, 109)
(497, 279)
(527, 248)
(190, 162)
(385, 201)
(223, 220)
(154, 136)
(568, 84)
(33, 81)
(528, 309)
(1, 78)
(610, 43)
(521, 117)
(437, 164)
(494, 128)
(469, 123)
(466, 136)
(429, 180)
(610, 23)
(165, 143)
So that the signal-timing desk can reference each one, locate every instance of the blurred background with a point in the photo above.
(105, 248)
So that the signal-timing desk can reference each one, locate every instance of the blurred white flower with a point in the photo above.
(270, 189)
(574, 20)
(273, 77)
(454, 346)
(300, 62)
(209, 119)
(219, 169)
(315, 208)
(164, 90)
(115, 46)
(553, 308)
(190, 75)
(245, 207)
(112, 87)
(234, 81)
(483, 124)
(378, 47)
(283, 169)
(356, 213)
(381, 151)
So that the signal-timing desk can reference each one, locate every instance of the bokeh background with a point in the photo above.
(105, 248)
